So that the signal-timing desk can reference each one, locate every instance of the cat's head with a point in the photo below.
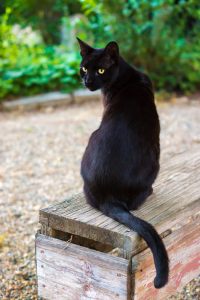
(99, 67)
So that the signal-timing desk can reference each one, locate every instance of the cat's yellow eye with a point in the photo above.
(84, 69)
(101, 71)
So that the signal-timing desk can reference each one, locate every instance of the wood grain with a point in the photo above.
(176, 187)
(183, 247)
(71, 272)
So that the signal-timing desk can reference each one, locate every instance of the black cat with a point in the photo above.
(121, 160)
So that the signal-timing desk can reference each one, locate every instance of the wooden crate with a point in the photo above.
(82, 254)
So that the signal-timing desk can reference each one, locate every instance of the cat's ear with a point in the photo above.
(85, 48)
(112, 49)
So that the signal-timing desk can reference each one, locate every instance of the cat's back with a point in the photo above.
(131, 106)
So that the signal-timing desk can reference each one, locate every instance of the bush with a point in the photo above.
(29, 68)
(162, 37)
(39, 69)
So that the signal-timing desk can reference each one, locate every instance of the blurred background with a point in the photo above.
(41, 149)
(39, 52)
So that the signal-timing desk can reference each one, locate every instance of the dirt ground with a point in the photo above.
(40, 155)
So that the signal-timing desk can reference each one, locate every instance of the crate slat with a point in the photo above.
(183, 248)
(69, 272)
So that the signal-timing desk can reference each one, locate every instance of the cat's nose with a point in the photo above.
(88, 81)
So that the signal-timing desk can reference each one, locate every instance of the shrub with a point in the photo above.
(31, 68)
(39, 69)
(161, 36)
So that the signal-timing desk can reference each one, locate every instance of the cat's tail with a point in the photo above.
(119, 213)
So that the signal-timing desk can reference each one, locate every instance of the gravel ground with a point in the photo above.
(40, 155)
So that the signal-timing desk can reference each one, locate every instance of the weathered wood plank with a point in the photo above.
(178, 219)
(176, 187)
(183, 247)
(70, 272)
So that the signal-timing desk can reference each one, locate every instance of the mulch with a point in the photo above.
(40, 153)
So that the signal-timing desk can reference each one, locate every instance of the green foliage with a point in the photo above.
(160, 36)
(45, 16)
(34, 68)
(38, 70)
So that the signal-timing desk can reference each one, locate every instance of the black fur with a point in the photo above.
(121, 160)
